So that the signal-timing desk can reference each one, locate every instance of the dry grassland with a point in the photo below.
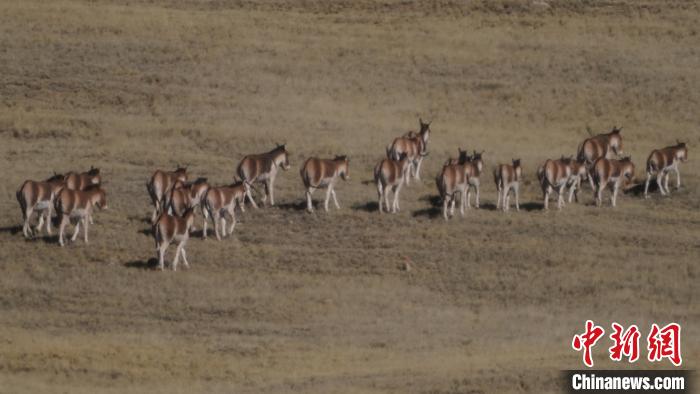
(298, 302)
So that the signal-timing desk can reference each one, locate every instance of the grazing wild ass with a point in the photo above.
(554, 175)
(38, 196)
(662, 162)
(507, 177)
(168, 229)
(320, 173)
(263, 168)
(390, 173)
(83, 180)
(220, 201)
(414, 145)
(78, 205)
(160, 186)
(617, 172)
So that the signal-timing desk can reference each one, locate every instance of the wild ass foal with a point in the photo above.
(38, 196)
(78, 205)
(390, 173)
(414, 145)
(507, 177)
(160, 186)
(319, 173)
(555, 175)
(617, 172)
(220, 201)
(263, 168)
(662, 162)
(168, 229)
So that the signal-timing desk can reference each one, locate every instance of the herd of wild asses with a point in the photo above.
(599, 160)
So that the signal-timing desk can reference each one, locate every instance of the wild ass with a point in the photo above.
(453, 179)
(78, 205)
(414, 145)
(579, 172)
(38, 196)
(507, 177)
(319, 173)
(554, 175)
(391, 173)
(160, 186)
(186, 195)
(220, 201)
(81, 181)
(613, 171)
(168, 229)
(662, 162)
(602, 145)
(263, 168)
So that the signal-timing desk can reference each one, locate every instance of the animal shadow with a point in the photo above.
(146, 231)
(431, 212)
(294, 206)
(11, 229)
(371, 206)
(150, 264)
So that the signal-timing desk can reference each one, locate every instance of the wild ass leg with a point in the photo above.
(659, 182)
(646, 185)
(309, 203)
(184, 255)
(161, 254)
(232, 213)
(86, 220)
(328, 197)
(335, 199)
(26, 227)
(678, 177)
(560, 196)
(250, 197)
(417, 173)
(177, 255)
(380, 193)
(272, 191)
(668, 175)
(62, 229)
(77, 229)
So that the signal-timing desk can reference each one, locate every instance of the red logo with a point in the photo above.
(587, 340)
(626, 344)
(665, 343)
(662, 343)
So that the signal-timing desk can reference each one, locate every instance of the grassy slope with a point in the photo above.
(297, 302)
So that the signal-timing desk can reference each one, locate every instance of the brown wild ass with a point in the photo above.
(81, 181)
(263, 168)
(390, 173)
(220, 201)
(579, 172)
(168, 229)
(186, 195)
(662, 162)
(453, 179)
(414, 145)
(78, 205)
(554, 175)
(320, 173)
(617, 172)
(602, 145)
(38, 196)
(160, 186)
(507, 177)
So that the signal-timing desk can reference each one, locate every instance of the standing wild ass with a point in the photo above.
(160, 186)
(662, 162)
(263, 168)
(319, 173)
(38, 196)
(414, 145)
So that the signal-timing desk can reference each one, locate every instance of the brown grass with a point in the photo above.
(319, 303)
